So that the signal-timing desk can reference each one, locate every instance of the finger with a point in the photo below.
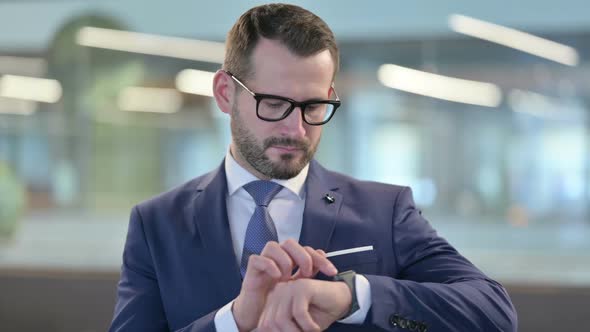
(317, 255)
(300, 256)
(300, 309)
(284, 261)
(322, 262)
(258, 265)
(315, 268)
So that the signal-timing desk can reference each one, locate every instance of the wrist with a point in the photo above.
(242, 320)
(345, 303)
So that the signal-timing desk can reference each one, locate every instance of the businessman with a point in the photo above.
(271, 240)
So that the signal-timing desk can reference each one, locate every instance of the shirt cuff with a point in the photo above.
(363, 297)
(224, 319)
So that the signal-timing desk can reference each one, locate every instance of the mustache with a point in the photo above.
(286, 141)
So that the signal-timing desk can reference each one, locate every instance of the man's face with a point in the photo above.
(279, 149)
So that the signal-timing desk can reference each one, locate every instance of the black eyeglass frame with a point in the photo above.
(302, 105)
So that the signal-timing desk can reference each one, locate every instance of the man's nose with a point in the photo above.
(294, 124)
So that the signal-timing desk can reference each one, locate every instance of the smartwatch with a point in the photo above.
(349, 278)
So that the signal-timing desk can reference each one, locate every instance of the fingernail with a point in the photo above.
(333, 269)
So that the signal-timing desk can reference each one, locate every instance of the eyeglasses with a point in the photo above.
(277, 108)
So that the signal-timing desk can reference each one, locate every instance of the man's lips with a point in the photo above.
(286, 148)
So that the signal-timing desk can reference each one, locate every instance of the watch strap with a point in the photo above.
(349, 278)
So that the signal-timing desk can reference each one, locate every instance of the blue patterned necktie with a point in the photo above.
(261, 228)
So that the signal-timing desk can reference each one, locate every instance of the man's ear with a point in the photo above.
(223, 91)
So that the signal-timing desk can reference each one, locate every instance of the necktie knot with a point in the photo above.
(262, 191)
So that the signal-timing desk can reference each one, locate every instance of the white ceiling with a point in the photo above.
(29, 26)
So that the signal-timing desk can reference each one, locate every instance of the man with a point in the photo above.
(245, 247)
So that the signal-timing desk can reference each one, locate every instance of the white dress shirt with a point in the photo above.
(286, 210)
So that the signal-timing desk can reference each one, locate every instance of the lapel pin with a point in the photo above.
(329, 198)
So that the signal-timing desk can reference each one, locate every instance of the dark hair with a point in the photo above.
(300, 30)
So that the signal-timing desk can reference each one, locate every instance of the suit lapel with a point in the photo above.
(213, 226)
(319, 217)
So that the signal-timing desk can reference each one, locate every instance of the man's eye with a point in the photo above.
(315, 107)
(275, 104)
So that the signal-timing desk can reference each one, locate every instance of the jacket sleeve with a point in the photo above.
(436, 288)
(139, 305)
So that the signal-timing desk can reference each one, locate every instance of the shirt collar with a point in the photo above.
(237, 177)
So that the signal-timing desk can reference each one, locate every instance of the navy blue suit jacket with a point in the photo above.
(179, 266)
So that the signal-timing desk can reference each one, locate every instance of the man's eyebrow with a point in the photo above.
(301, 101)
(316, 99)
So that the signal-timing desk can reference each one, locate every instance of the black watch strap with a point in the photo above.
(349, 277)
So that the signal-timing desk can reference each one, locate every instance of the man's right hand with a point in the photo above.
(275, 264)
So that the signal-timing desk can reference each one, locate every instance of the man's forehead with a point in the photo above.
(275, 55)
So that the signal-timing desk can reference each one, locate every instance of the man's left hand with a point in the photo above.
(305, 305)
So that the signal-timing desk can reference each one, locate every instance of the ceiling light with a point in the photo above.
(154, 100)
(439, 86)
(135, 42)
(30, 88)
(514, 39)
(194, 81)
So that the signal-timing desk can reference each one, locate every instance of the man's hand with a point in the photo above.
(305, 305)
(275, 264)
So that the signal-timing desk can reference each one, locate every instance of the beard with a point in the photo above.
(254, 153)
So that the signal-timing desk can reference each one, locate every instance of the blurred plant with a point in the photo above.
(12, 202)
(92, 79)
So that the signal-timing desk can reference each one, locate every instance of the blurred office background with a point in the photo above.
(482, 107)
